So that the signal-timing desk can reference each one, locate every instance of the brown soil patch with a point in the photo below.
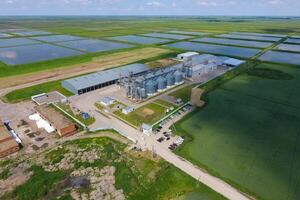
(162, 63)
(196, 97)
(98, 63)
(146, 112)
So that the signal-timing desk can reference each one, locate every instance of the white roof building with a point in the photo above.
(186, 56)
(147, 129)
(233, 62)
(106, 101)
(127, 110)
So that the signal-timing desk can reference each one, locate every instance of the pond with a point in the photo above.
(16, 42)
(234, 42)
(289, 47)
(216, 49)
(31, 33)
(57, 38)
(293, 40)
(281, 57)
(250, 37)
(258, 34)
(140, 39)
(187, 32)
(34, 53)
(91, 45)
(167, 36)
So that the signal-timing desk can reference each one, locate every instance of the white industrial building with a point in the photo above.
(107, 101)
(186, 56)
(127, 110)
(196, 64)
(232, 62)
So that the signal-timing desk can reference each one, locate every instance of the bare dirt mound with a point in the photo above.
(196, 97)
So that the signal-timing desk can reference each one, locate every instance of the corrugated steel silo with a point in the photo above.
(178, 77)
(170, 79)
(149, 75)
(189, 72)
(161, 83)
(151, 87)
(143, 93)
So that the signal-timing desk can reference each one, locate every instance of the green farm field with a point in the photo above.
(249, 133)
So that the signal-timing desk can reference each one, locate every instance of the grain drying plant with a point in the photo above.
(139, 82)
(196, 64)
(98, 80)
(152, 82)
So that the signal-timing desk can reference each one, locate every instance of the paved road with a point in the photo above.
(151, 144)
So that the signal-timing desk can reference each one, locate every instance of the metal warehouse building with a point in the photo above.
(91, 82)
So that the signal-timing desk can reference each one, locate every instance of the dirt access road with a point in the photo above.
(98, 63)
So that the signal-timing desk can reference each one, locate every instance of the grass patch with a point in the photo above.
(148, 114)
(65, 197)
(4, 163)
(165, 103)
(5, 174)
(183, 93)
(37, 186)
(270, 74)
(26, 93)
(172, 183)
(68, 109)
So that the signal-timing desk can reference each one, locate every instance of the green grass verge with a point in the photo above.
(165, 103)
(68, 109)
(183, 93)
(26, 93)
(5, 174)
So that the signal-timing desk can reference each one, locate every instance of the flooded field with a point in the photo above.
(217, 49)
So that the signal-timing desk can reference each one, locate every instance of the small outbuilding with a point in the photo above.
(186, 56)
(147, 129)
(107, 101)
(232, 62)
(127, 110)
(48, 98)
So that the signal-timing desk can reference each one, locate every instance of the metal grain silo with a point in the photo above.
(159, 73)
(170, 79)
(149, 76)
(161, 83)
(151, 87)
(189, 72)
(143, 93)
(178, 77)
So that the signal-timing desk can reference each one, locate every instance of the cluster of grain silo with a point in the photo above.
(154, 81)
